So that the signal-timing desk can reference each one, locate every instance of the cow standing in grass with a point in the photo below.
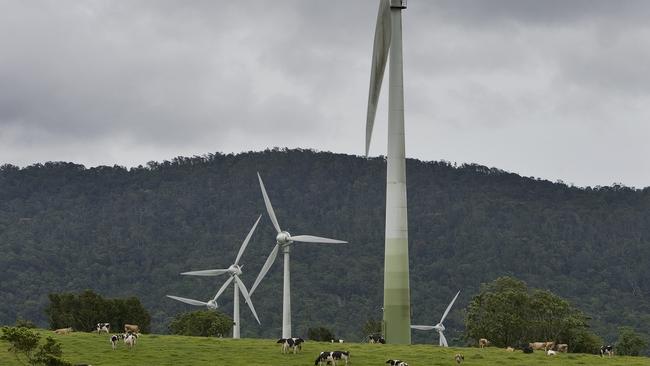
(325, 358)
(397, 363)
(103, 327)
(115, 338)
(607, 350)
(130, 339)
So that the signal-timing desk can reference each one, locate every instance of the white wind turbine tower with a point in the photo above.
(284, 240)
(388, 40)
(234, 271)
(439, 327)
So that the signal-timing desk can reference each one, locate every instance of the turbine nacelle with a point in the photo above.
(439, 327)
(212, 305)
(283, 238)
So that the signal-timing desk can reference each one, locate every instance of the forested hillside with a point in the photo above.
(130, 232)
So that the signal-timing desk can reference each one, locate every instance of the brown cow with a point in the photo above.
(563, 347)
(539, 346)
(131, 328)
(483, 343)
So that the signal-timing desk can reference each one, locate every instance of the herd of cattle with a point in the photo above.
(132, 331)
(550, 348)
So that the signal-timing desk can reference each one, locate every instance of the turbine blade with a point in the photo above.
(223, 287)
(247, 296)
(265, 267)
(188, 301)
(245, 243)
(422, 327)
(379, 58)
(443, 340)
(449, 307)
(269, 208)
(315, 239)
(207, 272)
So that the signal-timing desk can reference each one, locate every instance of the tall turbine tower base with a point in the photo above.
(397, 301)
(286, 296)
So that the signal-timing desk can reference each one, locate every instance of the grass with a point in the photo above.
(169, 350)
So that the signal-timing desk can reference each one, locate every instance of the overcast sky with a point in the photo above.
(551, 89)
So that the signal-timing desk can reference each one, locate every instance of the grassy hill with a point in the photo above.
(164, 350)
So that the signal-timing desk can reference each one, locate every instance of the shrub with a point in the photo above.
(202, 323)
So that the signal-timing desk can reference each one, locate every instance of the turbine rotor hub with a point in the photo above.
(235, 270)
(283, 238)
(212, 304)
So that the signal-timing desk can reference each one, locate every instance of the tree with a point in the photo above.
(630, 342)
(320, 334)
(24, 343)
(371, 326)
(201, 323)
(82, 311)
(507, 313)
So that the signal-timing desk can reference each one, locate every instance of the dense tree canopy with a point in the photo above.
(130, 232)
(201, 323)
(83, 311)
(507, 313)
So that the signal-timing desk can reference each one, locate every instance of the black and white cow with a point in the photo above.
(103, 327)
(295, 344)
(115, 338)
(130, 339)
(376, 338)
(607, 350)
(325, 358)
(397, 363)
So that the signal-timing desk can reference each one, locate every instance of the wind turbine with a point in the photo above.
(234, 271)
(284, 240)
(388, 39)
(439, 327)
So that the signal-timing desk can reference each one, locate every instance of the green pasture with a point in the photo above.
(159, 350)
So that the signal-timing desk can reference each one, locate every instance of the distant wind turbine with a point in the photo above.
(284, 240)
(234, 271)
(388, 38)
(439, 327)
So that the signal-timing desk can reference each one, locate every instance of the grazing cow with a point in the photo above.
(294, 343)
(332, 357)
(562, 347)
(483, 343)
(607, 350)
(510, 349)
(115, 338)
(63, 331)
(525, 347)
(130, 339)
(376, 338)
(103, 327)
(336, 340)
(550, 352)
(397, 363)
(542, 346)
(459, 358)
(132, 328)
(297, 344)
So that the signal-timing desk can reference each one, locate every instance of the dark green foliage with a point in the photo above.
(22, 323)
(630, 342)
(320, 334)
(508, 314)
(202, 323)
(24, 344)
(371, 326)
(83, 311)
(130, 232)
